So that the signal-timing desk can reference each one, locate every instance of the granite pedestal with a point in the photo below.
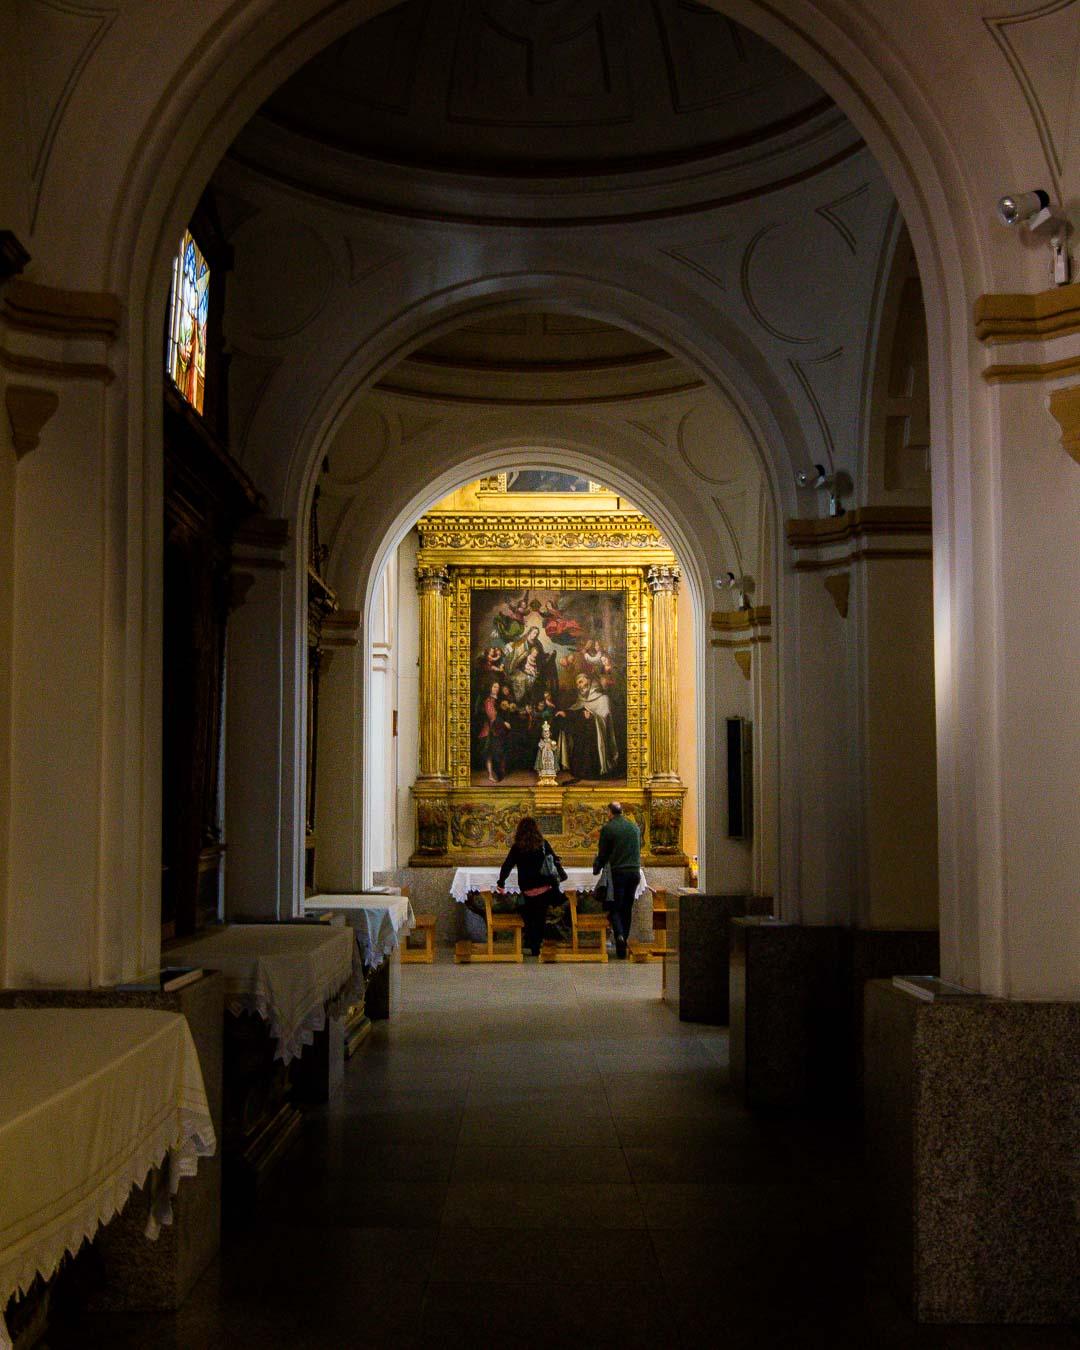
(696, 962)
(128, 1272)
(796, 1006)
(972, 1110)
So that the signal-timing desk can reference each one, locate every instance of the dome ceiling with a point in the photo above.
(542, 358)
(533, 86)
(529, 88)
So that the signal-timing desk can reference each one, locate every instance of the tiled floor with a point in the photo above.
(544, 1156)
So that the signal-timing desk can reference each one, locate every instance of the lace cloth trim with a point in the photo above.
(291, 1039)
(180, 1150)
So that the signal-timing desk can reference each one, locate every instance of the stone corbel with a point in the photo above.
(13, 257)
(838, 584)
(29, 408)
(1065, 409)
(740, 631)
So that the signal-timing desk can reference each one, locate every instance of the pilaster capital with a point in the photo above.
(664, 578)
(433, 580)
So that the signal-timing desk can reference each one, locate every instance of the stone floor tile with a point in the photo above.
(525, 1204)
(560, 1162)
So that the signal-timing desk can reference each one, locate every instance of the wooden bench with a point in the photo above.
(579, 923)
(654, 950)
(466, 952)
(425, 929)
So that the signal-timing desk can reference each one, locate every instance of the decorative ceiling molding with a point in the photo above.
(689, 256)
(681, 444)
(1039, 45)
(748, 295)
(834, 213)
(58, 39)
(805, 374)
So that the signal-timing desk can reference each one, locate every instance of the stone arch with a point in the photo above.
(240, 57)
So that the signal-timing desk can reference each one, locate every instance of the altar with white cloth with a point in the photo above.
(286, 973)
(381, 921)
(468, 879)
(93, 1099)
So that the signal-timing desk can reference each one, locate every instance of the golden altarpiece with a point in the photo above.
(552, 610)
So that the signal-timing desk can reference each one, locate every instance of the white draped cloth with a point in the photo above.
(381, 922)
(91, 1099)
(286, 973)
(468, 879)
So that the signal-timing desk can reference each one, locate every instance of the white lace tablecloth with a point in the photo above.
(468, 879)
(91, 1099)
(287, 973)
(381, 922)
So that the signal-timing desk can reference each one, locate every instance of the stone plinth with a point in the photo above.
(973, 1121)
(796, 1006)
(789, 1012)
(132, 1273)
(696, 965)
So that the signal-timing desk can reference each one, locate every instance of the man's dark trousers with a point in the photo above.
(623, 883)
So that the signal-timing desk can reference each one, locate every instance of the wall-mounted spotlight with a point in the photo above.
(741, 587)
(1032, 211)
(838, 484)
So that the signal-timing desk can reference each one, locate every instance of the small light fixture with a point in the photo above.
(1032, 211)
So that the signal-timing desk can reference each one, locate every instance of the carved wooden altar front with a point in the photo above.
(513, 569)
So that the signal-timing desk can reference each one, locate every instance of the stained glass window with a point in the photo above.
(189, 305)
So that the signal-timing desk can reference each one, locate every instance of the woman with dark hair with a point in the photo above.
(539, 889)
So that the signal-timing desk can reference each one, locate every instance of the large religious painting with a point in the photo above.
(541, 655)
(189, 308)
(561, 649)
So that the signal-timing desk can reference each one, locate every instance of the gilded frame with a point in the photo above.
(465, 580)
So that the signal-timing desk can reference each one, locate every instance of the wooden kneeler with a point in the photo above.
(514, 924)
(425, 955)
(654, 950)
(579, 923)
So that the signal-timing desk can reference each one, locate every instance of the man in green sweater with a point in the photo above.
(620, 849)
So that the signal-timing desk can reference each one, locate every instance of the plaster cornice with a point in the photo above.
(1013, 317)
(859, 523)
(32, 308)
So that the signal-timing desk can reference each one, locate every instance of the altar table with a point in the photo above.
(468, 879)
(286, 973)
(381, 921)
(91, 1100)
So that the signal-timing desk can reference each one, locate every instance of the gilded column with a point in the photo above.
(433, 584)
(663, 583)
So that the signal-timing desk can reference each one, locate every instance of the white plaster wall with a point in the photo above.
(1038, 939)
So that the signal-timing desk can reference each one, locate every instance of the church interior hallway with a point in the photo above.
(545, 1156)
